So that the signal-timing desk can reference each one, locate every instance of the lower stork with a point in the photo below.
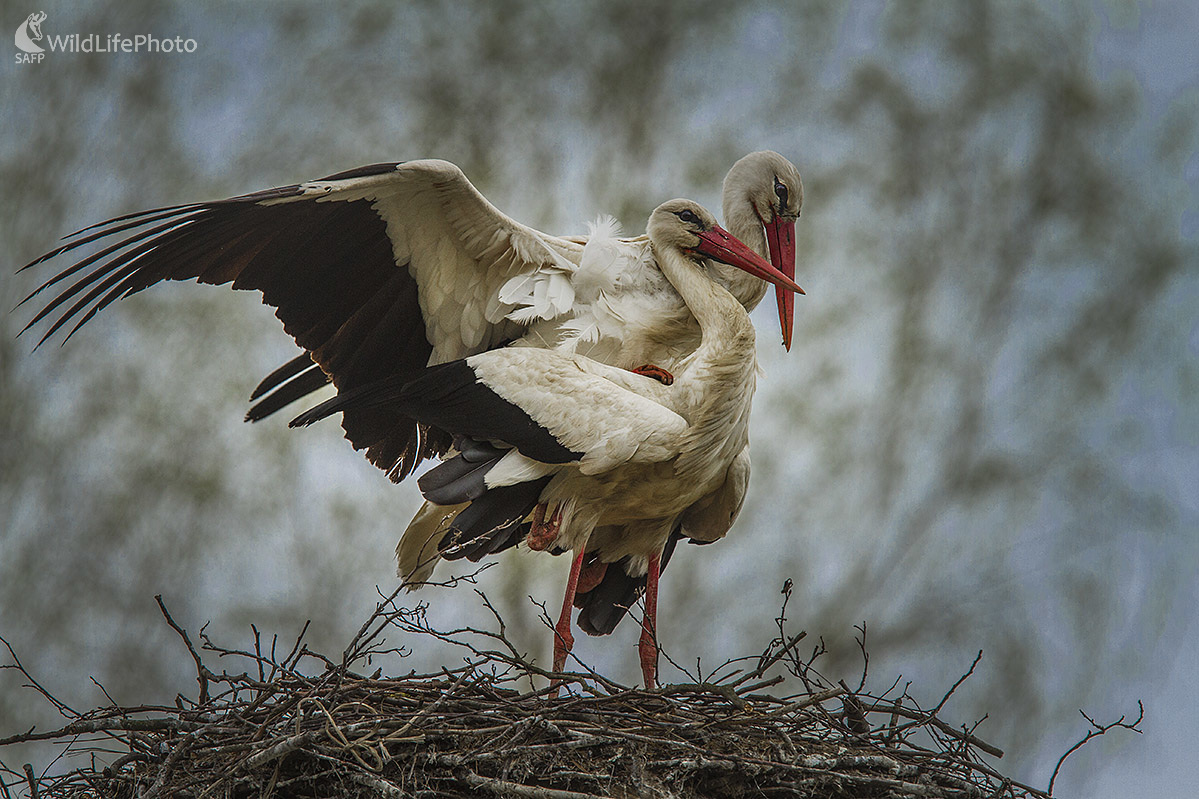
(605, 459)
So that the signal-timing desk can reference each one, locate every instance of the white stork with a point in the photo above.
(594, 448)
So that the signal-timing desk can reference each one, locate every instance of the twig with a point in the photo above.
(954, 687)
(922, 718)
(865, 655)
(505, 788)
(202, 673)
(29, 775)
(16, 663)
(806, 702)
(1095, 731)
(767, 661)
(379, 784)
(87, 726)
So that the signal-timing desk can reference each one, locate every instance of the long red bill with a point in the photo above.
(721, 245)
(780, 237)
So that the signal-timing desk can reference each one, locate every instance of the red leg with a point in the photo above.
(563, 640)
(647, 647)
(656, 372)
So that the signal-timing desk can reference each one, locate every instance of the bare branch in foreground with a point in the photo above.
(1095, 731)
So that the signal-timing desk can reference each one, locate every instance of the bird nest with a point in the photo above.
(302, 724)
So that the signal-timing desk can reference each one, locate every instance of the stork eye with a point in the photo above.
(689, 217)
(780, 191)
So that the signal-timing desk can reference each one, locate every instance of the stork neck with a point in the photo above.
(726, 333)
(718, 378)
(742, 221)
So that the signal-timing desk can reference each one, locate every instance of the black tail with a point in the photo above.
(493, 522)
(461, 478)
(605, 605)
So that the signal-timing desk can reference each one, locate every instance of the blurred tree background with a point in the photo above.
(985, 437)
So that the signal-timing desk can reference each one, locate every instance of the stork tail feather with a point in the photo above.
(493, 522)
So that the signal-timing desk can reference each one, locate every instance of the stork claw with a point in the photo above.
(656, 372)
(543, 533)
(592, 573)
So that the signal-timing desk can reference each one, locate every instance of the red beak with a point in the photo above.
(722, 246)
(780, 237)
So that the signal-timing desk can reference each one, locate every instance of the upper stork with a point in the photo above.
(380, 271)
(586, 447)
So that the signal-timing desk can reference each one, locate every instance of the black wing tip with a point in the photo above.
(285, 372)
(296, 388)
(165, 209)
(316, 413)
(43, 258)
(308, 417)
(388, 391)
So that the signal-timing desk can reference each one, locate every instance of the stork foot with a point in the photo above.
(592, 573)
(543, 532)
(656, 372)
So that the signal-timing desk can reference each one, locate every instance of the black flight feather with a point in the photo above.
(450, 397)
(285, 372)
(303, 384)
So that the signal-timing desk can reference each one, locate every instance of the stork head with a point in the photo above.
(689, 227)
(768, 186)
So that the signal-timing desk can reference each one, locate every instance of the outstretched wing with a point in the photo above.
(377, 272)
